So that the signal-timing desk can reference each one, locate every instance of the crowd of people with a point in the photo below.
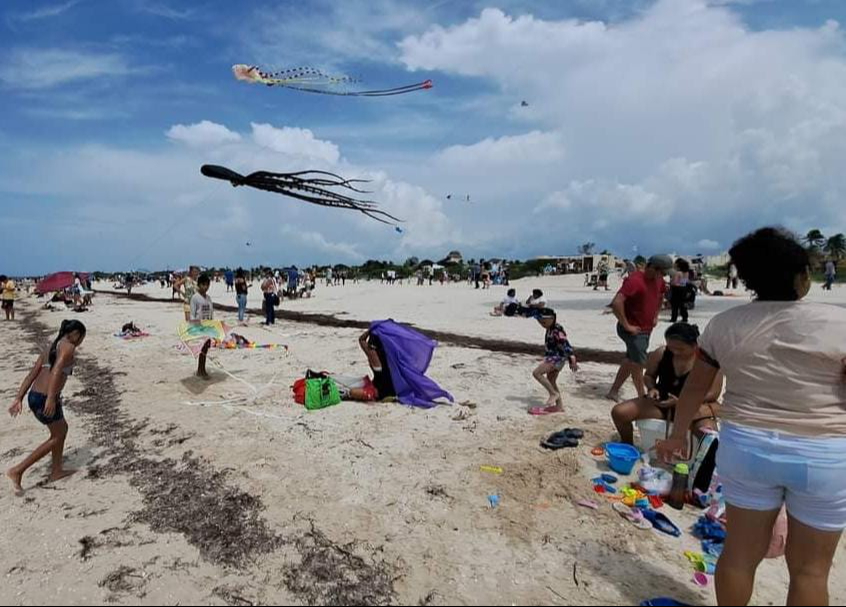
(768, 375)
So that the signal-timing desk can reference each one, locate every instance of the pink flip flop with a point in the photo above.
(546, 410)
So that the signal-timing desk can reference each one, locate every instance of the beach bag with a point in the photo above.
(276, 300)
(299, 389)
(703, 464)
(321, 393)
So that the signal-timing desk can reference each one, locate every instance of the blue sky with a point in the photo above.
(669, 125)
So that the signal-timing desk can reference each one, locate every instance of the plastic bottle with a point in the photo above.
(679, 490)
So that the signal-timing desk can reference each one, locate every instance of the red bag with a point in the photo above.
(299, 389)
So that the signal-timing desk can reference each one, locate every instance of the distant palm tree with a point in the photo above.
(836, 246)
(815, 239)
(586, 248)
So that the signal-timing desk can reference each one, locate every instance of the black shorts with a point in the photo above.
(383, 384)
(8, 304)
(37, 401)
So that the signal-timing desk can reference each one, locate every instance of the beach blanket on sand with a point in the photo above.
(409, 353)
(129, 335)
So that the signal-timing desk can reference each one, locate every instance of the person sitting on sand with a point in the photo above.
(508, 306)
(202, 309)
(44, 383)
(558, 353)
(534, 304)
(382, 386)
(667, 370)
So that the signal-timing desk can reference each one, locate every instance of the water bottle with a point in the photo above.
(679, 490)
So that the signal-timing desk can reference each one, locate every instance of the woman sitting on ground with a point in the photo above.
(382, 386)
(508, 306)
(667, 370)
(534, 304)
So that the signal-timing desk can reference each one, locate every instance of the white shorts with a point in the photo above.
(761, 470)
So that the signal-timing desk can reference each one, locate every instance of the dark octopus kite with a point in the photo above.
(310, 186)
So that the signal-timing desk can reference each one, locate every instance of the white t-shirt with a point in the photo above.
(201, 307)
(540, 301)
(508, 300)
(783, 363)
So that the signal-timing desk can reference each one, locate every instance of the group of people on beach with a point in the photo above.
(782, 434)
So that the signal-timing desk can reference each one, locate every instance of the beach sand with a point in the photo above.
(259, 502)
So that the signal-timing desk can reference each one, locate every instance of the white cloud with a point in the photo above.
(530, 148)
(678, 115)
(710, 245)
(202, 134)
(319, 242)
(46, 12)
(295, 142)
(34, 68)
(160, 9)
(163, 188)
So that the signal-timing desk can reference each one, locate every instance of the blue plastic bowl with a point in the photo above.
(621, 457)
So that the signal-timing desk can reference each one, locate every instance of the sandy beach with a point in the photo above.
(182, 500)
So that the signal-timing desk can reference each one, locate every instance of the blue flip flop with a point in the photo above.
(661, 522)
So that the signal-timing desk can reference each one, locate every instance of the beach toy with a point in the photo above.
(601, 482)
(621, 457)
(651, 431)
(642, 503)
(493, 501)
(599, 488)
(597, 451)
(663, 602)
(656, 502)
(703, 563)
(491, 469)
(609, 478)
(700, 579)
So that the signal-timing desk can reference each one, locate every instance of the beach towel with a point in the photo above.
(409, 353)
(132, 335)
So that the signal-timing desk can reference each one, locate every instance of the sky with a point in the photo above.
(648, 126)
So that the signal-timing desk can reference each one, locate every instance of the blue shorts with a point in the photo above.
(37, 400)
(637, 346)
(761, 470)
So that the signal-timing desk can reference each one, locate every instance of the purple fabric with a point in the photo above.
(409, 354)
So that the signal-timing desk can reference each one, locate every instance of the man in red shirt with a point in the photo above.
(636, 307)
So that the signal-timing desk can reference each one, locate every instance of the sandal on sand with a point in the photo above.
(576, 433)
(555, 442)
(661, 522)
(633, 515)
(545, 410)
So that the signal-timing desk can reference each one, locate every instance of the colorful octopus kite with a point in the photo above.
(311, 80)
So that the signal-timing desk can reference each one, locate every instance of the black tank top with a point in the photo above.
(667, 381)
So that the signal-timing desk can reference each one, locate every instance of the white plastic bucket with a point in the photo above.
(651, 431)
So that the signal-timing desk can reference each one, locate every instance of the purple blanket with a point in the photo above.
(409, 354)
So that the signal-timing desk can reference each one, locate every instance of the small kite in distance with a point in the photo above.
(524, 103)
(309, 186)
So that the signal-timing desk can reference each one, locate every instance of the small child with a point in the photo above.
(202, 309)
(558, 352)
